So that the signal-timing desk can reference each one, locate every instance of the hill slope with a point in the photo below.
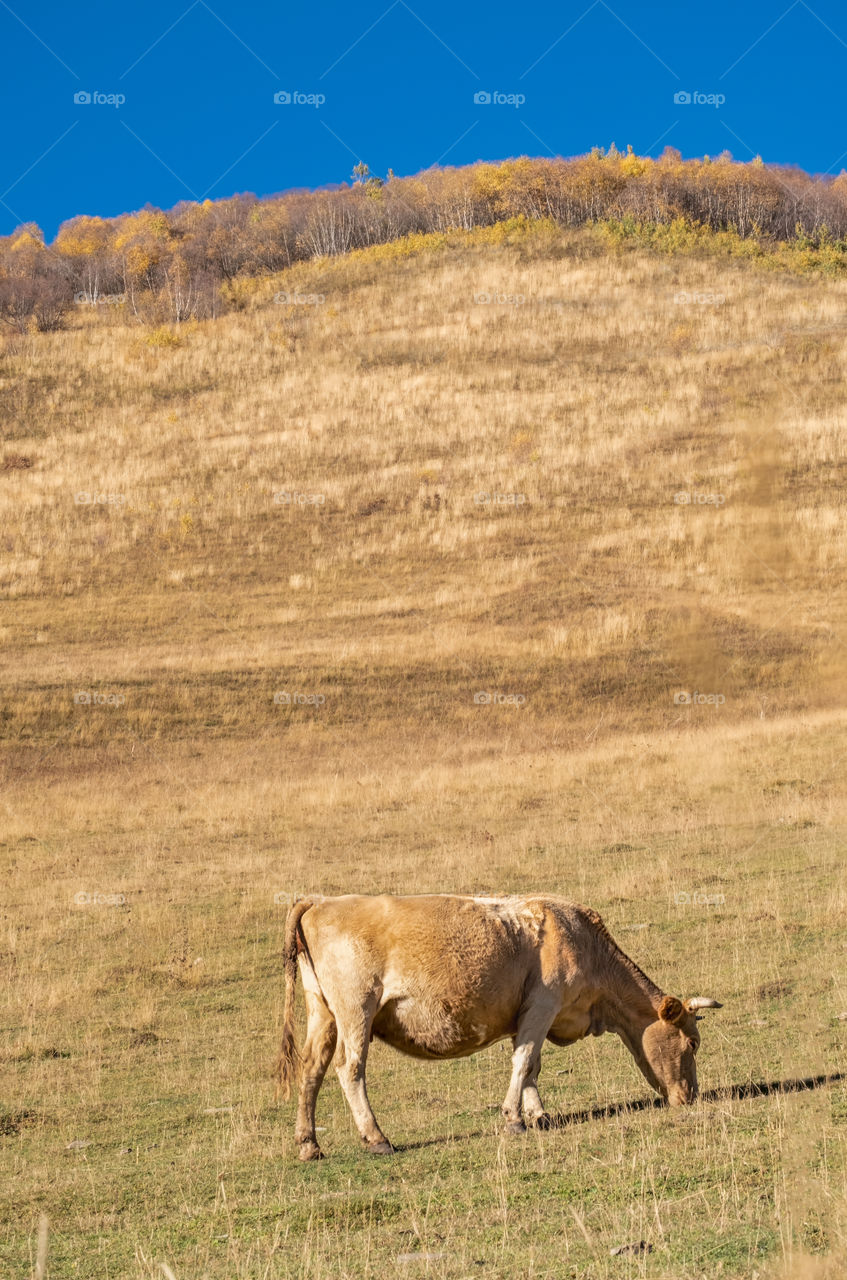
(282, 554)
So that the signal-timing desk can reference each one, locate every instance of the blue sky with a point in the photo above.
(398, 83)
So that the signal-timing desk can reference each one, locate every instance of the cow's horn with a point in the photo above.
(703, 1002)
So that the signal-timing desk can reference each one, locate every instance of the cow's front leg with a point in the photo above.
(350, 1063)
(533, 1107)
(526, 1063)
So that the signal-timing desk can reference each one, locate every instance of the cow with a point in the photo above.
(443, 976)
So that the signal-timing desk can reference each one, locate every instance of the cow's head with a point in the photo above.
(669, 1045)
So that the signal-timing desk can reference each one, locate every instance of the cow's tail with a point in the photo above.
(288, 1063)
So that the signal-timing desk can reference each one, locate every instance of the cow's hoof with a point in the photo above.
(310, 1151)
(542, 1121)
(515, 1128)
(379, 1149)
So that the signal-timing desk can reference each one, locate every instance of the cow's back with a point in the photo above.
(448, 974)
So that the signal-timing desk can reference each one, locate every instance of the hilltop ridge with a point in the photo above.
(174, 266)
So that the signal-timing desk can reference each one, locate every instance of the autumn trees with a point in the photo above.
(36, 286)
(159, 266)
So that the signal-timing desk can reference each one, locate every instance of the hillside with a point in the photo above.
(603, 486)
(157, 265)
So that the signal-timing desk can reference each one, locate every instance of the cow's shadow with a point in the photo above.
(733, 1092)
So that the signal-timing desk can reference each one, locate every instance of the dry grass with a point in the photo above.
(190, 597)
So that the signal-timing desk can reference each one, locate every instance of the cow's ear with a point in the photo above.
(671, 1009)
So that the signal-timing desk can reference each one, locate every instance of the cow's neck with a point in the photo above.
(629, 999)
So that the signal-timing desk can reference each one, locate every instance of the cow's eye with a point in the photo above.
(693, 1045)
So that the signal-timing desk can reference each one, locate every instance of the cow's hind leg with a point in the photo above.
(354, 1033)
(526, 1063)
(316, 1056)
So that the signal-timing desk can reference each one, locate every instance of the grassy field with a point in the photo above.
(399, 589)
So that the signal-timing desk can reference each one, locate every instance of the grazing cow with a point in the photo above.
(442, 976)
